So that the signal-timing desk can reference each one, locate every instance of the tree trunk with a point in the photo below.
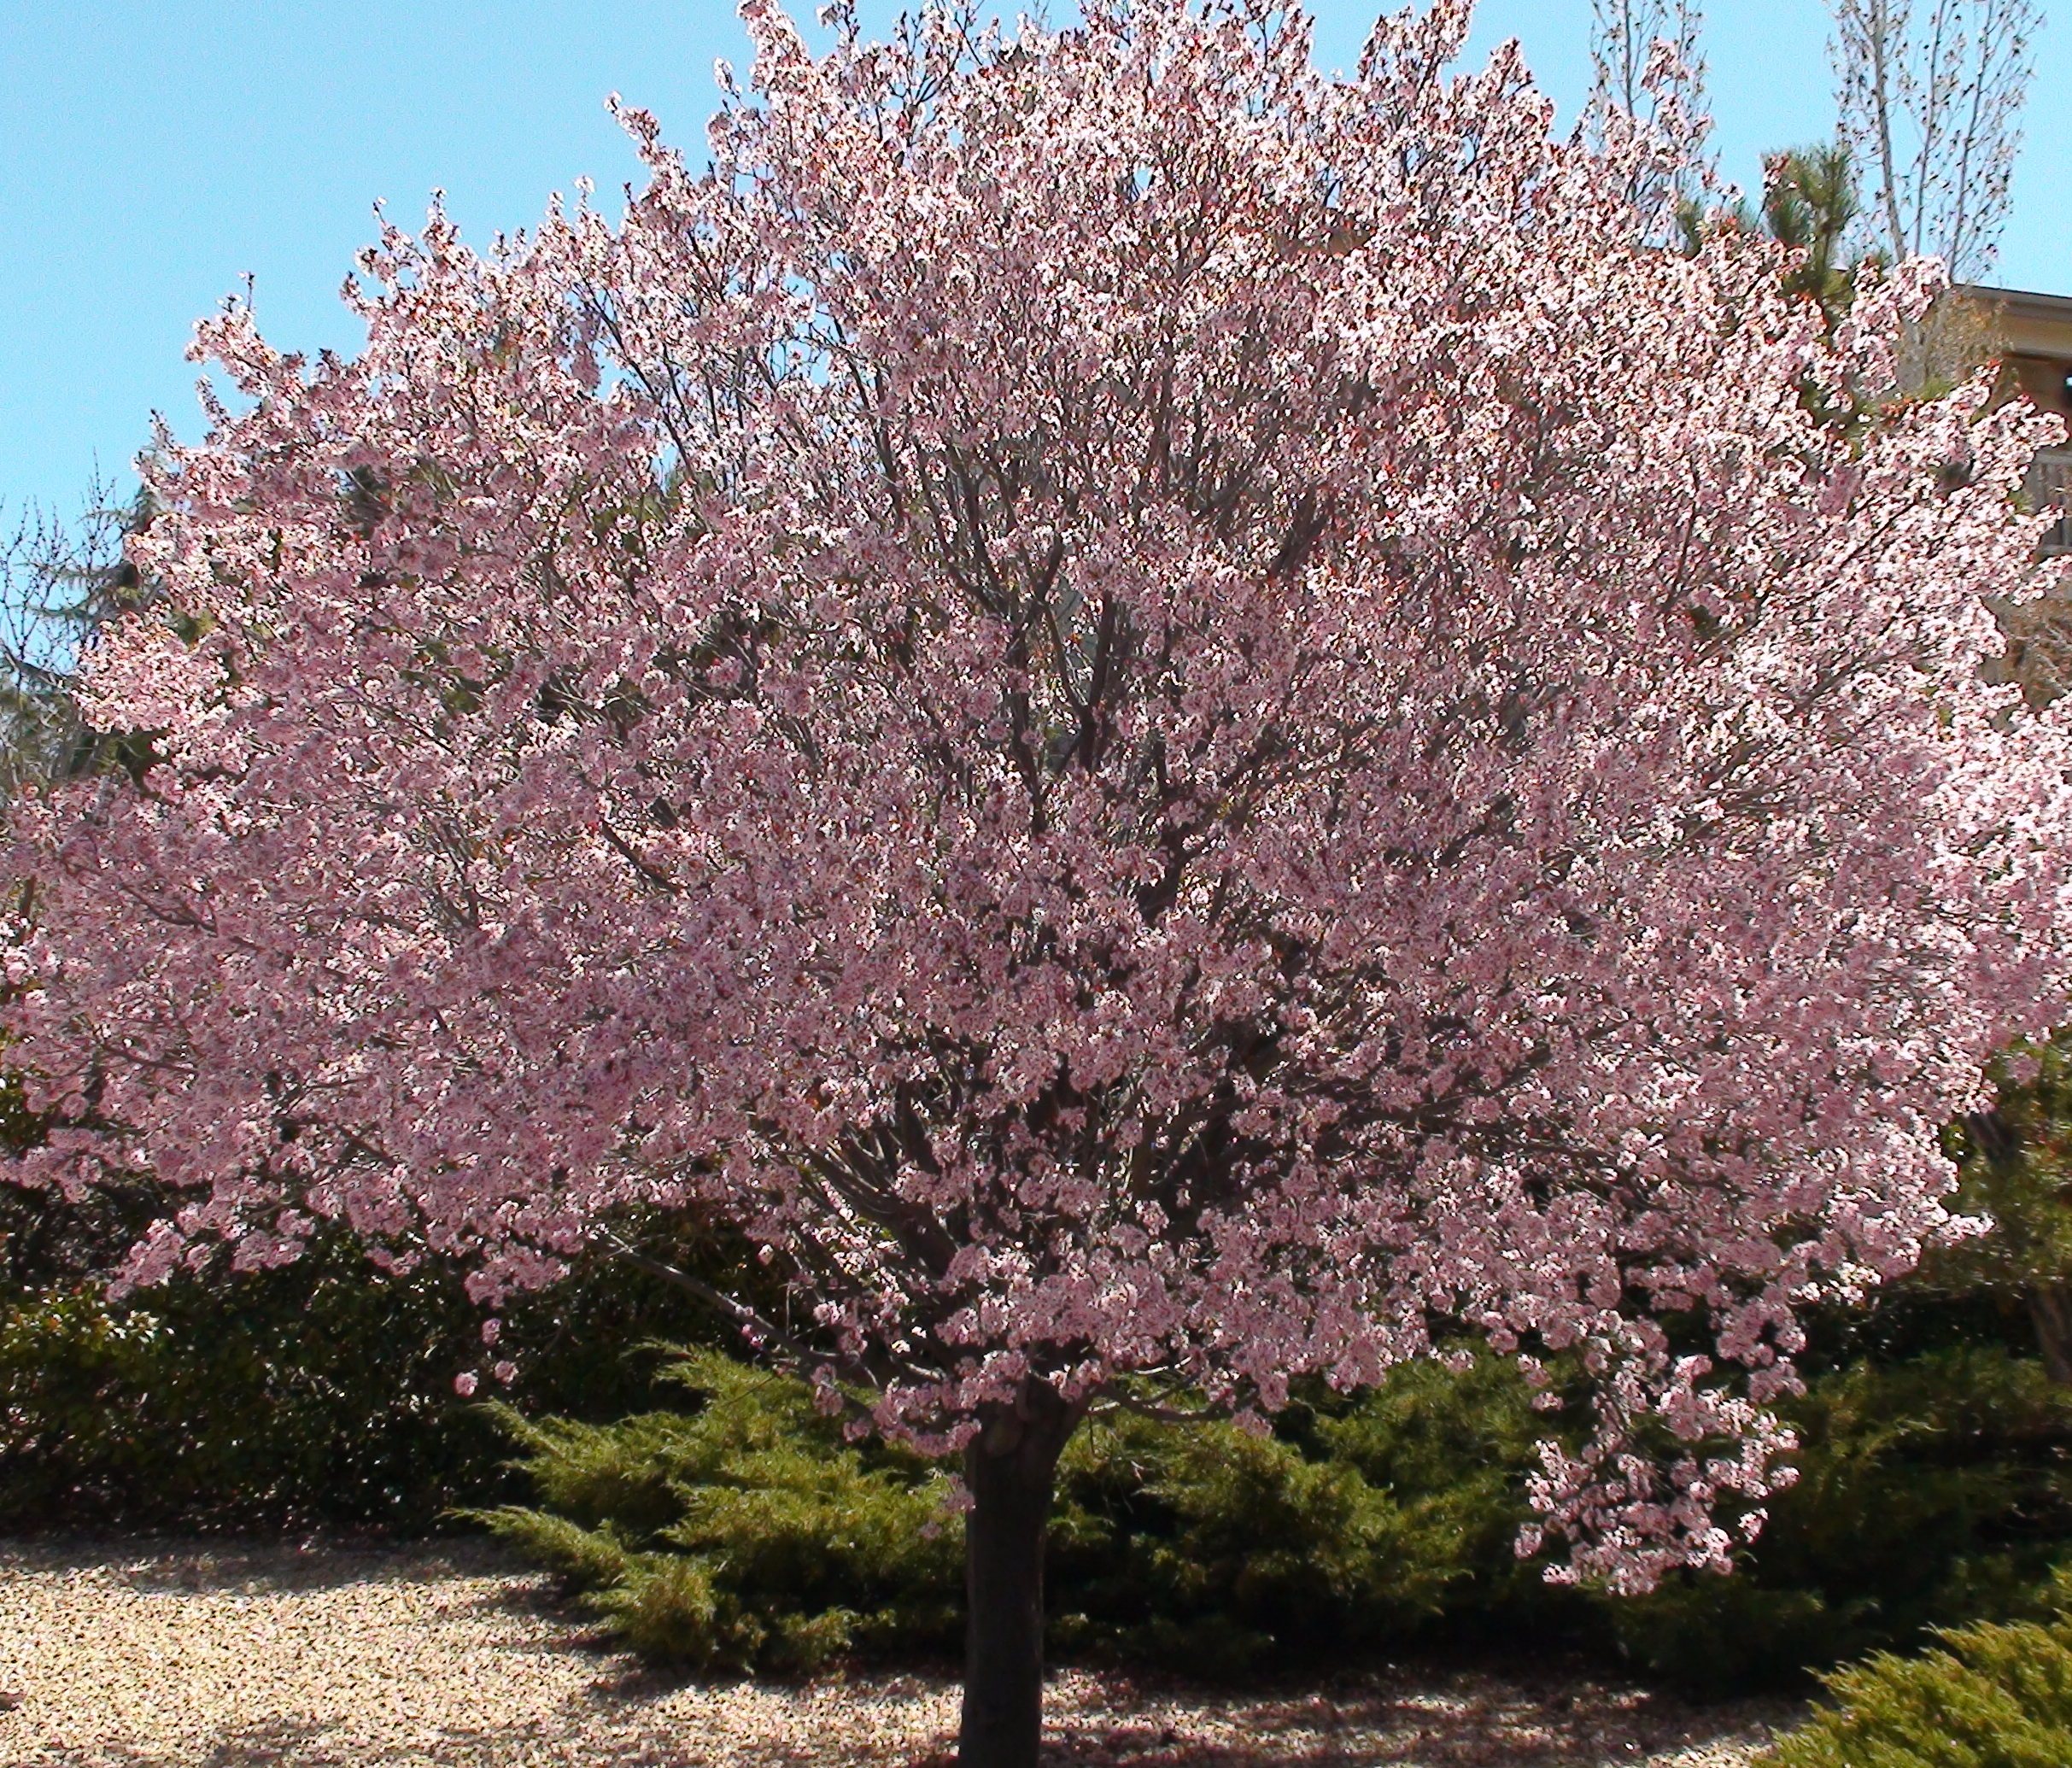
(1009, 1467)
(2050, 1311)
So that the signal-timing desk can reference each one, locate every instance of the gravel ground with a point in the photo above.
(179, 1655)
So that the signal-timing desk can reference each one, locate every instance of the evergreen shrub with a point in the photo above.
(1992, 1696)
(747, 1533)
(741, 1533)
(1933, 1490)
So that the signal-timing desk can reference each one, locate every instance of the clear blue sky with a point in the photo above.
(152, 152)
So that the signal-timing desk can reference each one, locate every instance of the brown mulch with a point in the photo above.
(166, 1653)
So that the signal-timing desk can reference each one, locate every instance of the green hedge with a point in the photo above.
(741, 1530)
(319, 1393)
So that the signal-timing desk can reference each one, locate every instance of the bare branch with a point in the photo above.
(59, 582)
(1929, 97)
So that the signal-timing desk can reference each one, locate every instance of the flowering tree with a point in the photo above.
(1172, 723)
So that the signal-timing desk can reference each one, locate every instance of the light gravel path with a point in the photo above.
(181, 1654)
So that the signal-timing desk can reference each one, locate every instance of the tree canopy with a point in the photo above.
(1173, 722)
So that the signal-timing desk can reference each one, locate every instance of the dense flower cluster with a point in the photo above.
(1161, 717)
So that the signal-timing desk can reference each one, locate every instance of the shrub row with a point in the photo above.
(739, 1530)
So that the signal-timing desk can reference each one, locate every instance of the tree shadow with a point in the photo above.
(185, 1566)
(1390, 1723)
(271, 1744)
(1537, 1716)
(275, 1744)
(1467, 1724)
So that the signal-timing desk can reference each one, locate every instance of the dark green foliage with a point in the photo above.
(1211, 1548)
(188, 1407)
(1458, 1445)
(1934, 1488)
(1994, 1697)
(1809, 203)
(1384, 1521)
(2017, 1163)
(320, 1392)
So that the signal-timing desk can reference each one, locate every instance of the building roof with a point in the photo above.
(2032, 324)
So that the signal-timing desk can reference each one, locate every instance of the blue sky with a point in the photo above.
(153, 152)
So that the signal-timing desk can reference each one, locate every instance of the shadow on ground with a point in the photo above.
(1386, 1722)
(184, 1563)
(1494, 1730)
(537, 1689)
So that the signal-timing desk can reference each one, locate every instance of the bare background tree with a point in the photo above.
(1929, 94)
(59, 582)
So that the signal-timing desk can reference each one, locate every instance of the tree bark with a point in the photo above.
(2050, 1311)
(1010, 1467)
